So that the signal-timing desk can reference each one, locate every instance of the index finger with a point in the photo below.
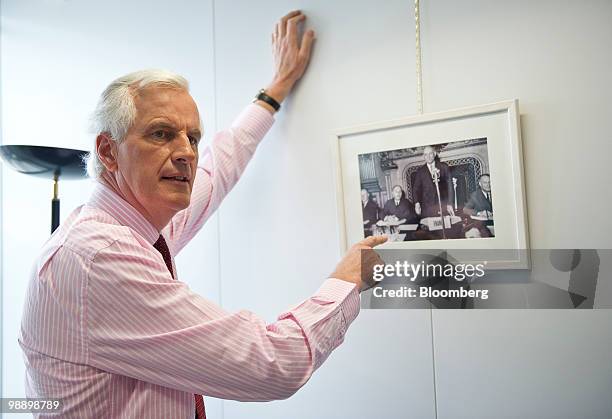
(373, 241)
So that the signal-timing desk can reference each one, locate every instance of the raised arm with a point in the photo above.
(224, 160)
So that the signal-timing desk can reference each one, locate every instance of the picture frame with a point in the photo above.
(386, 161)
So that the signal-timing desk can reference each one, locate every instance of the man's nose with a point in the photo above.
(184, 152)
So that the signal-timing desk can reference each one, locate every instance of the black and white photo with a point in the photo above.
(430, 192)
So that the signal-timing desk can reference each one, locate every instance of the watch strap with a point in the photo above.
(264, 97)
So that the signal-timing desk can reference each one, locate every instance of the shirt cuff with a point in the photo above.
(254, 120)
(344, 292)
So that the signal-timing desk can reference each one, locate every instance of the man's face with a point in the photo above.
(397, 193)
(429, 155)
(485, 183)
(364, 196)
(157, 160)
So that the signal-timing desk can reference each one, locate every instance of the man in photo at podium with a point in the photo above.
(425, 193)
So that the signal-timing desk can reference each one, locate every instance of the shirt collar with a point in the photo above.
(104, 198)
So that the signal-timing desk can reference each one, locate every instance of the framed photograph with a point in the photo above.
(446, 180)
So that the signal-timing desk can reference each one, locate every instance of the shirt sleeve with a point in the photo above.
(220, 166)
(141, 323)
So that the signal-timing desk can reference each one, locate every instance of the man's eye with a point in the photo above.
(194, 140)
(160, 134)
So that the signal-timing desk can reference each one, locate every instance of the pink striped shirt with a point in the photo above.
(106, 329)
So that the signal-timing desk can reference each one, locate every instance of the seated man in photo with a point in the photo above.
(370, 212)
(480, 203)
(398, 210)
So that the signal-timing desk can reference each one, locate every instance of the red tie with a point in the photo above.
(162, 247)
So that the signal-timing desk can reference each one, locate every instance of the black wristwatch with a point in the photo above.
(268, 99)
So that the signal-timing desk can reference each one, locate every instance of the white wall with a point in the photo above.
(555, 57)
(280, 220)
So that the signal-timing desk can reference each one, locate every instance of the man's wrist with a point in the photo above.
(279, 89)
(266, 101)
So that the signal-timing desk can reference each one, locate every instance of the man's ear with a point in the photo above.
(106, 148)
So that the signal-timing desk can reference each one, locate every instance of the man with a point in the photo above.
(369, 210)
(480, 203)
(108, 328)
(398, 208)
(424, 188)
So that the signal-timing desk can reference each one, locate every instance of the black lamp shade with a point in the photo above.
(45, 162)
(49, 163)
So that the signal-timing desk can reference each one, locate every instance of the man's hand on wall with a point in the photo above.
(291, 54)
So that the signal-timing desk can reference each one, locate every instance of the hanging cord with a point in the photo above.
(419, 94)
(419, 70)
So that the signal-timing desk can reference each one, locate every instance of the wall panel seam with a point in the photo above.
(216, 128)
